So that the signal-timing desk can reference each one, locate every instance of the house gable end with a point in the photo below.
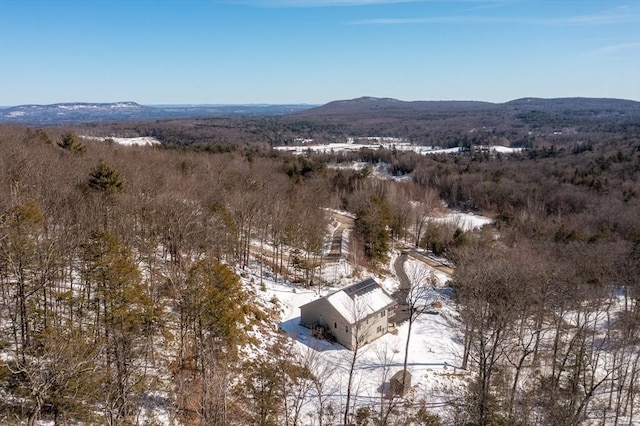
(320, 312)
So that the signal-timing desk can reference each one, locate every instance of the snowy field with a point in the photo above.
(464, 221)
(398, 146)
(140, 141)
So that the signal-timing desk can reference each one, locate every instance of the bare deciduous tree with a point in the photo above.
(419, 298)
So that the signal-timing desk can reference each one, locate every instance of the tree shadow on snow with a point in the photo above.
(447, 292)
(445, 365)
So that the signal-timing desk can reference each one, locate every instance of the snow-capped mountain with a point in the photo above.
(72, 112)
(81, 112)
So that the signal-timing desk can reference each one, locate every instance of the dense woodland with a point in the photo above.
(119, 276)
(525, 122)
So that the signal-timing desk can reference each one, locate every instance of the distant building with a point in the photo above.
(353, 316)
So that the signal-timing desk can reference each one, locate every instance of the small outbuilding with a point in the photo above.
(352, 316)
(397, 385)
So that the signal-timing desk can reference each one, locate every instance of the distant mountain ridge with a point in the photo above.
(388, 106)
(449, 122)
(86, 112)
(363, 108)
(576, 104)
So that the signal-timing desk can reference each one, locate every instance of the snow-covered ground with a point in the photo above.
(141, 141)
(388, 143)
(506, 149)
(435, 347)
(464, 221)
(380, 170)
(350, 147)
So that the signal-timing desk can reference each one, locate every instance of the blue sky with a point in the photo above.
(315, 51)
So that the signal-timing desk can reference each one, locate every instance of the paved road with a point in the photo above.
(447, 270)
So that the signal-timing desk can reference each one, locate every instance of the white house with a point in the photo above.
(354, 315)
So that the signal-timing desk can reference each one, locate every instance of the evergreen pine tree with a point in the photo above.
(70, 142)
(106, 179)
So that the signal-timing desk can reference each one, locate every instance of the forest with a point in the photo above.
(525, 122)
(123, 275)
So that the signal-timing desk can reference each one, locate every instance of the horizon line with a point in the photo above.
(257, 104)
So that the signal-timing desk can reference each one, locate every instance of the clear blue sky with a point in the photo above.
(315, 51)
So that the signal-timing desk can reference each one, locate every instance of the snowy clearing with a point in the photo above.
(140, 141)
(464, 221)
(394, 144)
(435, 348)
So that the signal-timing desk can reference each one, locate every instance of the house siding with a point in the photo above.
(372, 327)
(315, 312)
(320, 312)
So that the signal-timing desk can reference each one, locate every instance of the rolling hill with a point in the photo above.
(81, 112)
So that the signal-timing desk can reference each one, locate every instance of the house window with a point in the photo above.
(379, 329)
(382, 313)
(335, 325)
(346, 329)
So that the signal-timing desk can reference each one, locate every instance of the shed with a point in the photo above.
(396, 384)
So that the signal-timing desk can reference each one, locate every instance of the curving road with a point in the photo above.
(439, 266)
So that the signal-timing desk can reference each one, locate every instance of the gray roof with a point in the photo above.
(361, 288)
(359, 300)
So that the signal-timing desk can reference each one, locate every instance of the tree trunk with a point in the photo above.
(406, 351)
(349, 384)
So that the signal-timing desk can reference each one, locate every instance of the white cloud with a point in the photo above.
(430, 20)
(620, 15)
(616, 16)
(335, 3)
(614, 48)
(321, 3)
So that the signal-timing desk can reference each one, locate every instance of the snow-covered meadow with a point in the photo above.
(466, 221)
(140, 141)
(353, 145)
